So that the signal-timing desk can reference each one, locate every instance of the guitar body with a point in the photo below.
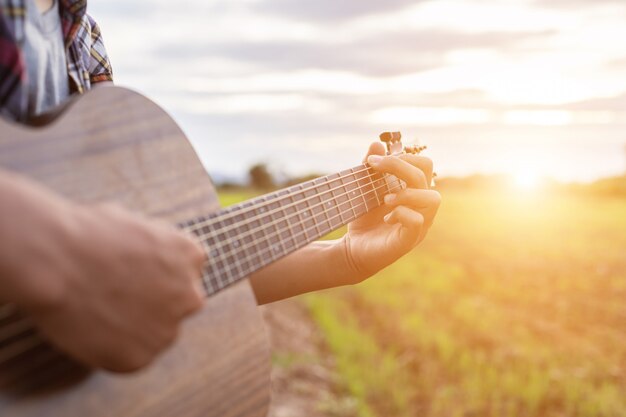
(113, 145)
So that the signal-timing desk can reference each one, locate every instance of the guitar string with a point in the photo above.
(273, 197)
(19, 324)
(214, 244)
(44, 362)
(36, 341)
(298, 214)
(230, 214)
(227, 228)
(261, 227)
(329, 180)
(33, 341)
(248, 258)
(228, 270)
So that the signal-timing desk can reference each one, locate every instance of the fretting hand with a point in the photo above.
(390, 231)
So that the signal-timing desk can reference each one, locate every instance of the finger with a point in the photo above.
(376, 148)
(426, 202)
(190, 298)
(412, 175)
(423, 163)
(411, 221)
(130, 361)
(197, 253)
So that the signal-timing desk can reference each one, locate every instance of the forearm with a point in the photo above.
(315, 267)
(29, 216)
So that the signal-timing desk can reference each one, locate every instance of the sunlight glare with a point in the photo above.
(526, 180)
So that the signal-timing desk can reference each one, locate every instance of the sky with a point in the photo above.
(491, 86)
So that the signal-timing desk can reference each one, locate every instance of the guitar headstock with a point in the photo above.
(393, 140)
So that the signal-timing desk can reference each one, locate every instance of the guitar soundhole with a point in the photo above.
(28, 365)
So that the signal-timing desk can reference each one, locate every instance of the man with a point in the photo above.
(81, 272)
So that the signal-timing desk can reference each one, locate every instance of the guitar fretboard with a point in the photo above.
(244, 238)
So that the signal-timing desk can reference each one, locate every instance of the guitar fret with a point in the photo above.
(326, 206)
(314, 202)
(365, 188)
(209, 240)
(401, 184)
(234, 245)
(330, 206)
(282, 221)
(386, 179)
(350, 190)
(304, 215)
(374, 189)
(227, 257)
(206, 283)
(247, 240)
(260, 236)
(217, 257)
(277, 247)
(289, 226)
(293, 216)
(208, 278)
(339, 198)
(245, 262)
(284, 231)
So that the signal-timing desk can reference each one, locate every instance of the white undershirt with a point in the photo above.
(44, 55)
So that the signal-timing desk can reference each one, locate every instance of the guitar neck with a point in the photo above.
(245, 237)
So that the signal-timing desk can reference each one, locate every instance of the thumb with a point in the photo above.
(376, 148)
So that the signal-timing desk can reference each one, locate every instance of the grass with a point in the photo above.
(513, 306)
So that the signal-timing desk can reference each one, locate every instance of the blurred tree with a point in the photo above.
(260, 177)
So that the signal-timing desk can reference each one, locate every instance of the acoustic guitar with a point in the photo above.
(115, 145)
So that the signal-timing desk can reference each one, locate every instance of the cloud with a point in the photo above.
(617, 64)
(347, 107)
(331, 10)
(577, 4)
(360, 104)
(612, 104)
(616, 103)
(390, 54)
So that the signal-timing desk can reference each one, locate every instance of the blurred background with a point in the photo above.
(515, 304)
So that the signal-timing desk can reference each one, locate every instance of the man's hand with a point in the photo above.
(388, 232)
(103, 285)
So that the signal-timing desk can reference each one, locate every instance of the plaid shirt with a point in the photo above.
(87, 61)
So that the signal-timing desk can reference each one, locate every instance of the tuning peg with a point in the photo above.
(414, 149)
(393, 142)
(390, 137)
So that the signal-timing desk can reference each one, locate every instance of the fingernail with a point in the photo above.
(374, 159)
(390, 198)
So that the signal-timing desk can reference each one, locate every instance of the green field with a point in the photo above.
(513, 306)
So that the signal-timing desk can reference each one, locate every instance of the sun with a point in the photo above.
(526, 180)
